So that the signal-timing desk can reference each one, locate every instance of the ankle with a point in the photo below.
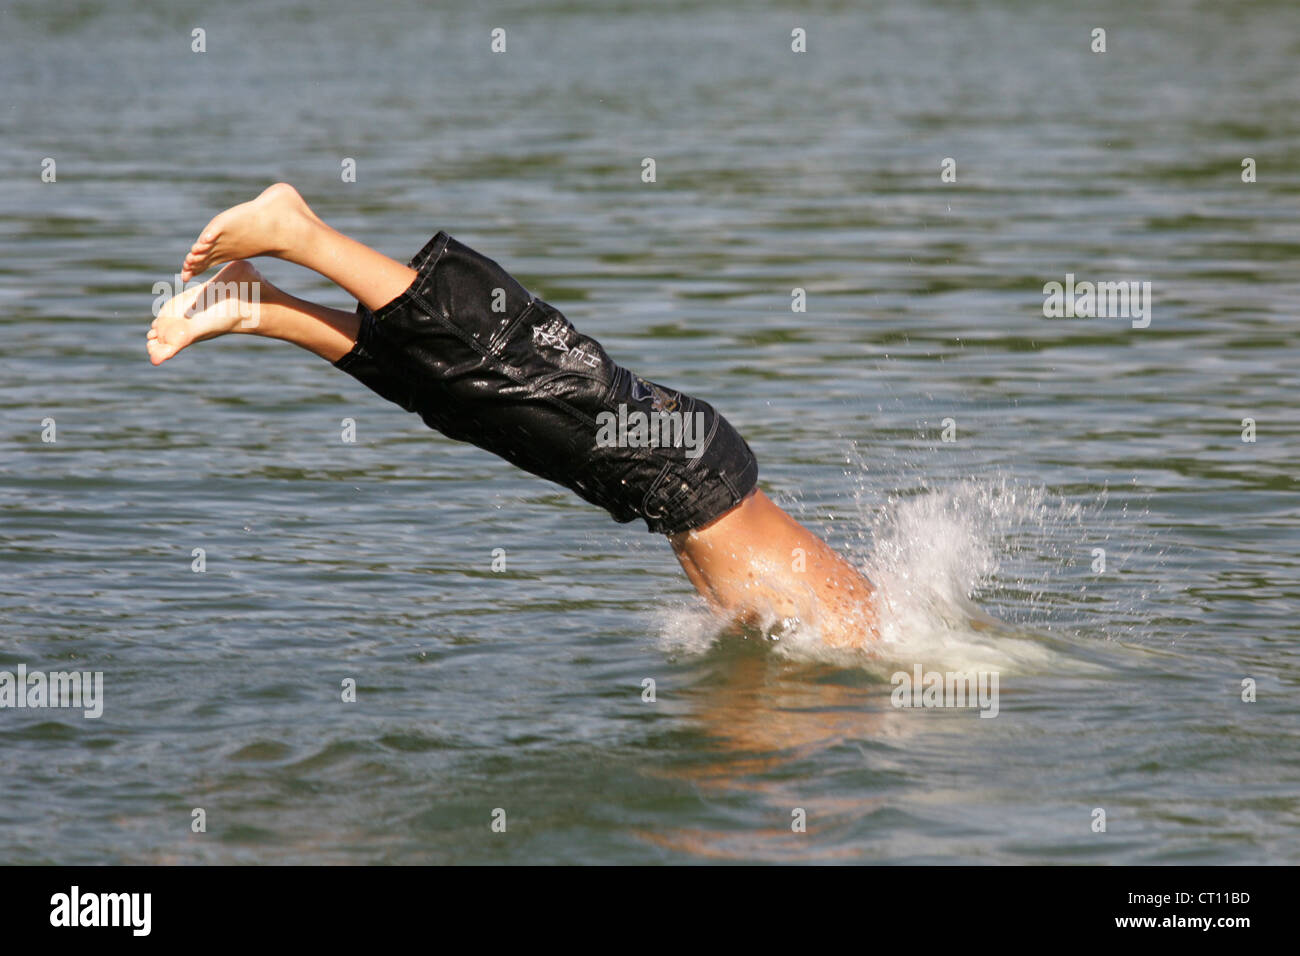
(305, 239)
(266, 318)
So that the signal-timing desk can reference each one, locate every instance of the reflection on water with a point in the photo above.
(770, 727)
(764, 723)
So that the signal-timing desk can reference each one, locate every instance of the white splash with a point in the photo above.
(936, 555)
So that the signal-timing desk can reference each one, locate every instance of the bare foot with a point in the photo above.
(233, 300)
(270, 225)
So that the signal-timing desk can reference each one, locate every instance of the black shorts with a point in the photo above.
(483, 361)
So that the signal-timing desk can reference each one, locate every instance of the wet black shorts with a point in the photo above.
(483, 361)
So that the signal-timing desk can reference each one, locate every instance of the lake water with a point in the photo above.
(1120, 689)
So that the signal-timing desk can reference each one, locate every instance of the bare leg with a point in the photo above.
(238, 299)
(279, 223)
(756, 562)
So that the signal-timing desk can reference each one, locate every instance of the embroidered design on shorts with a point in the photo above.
(554, 335)
(661, 400)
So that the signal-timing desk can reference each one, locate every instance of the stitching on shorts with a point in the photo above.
(452, 327)
(497, 343)
(713, 432)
